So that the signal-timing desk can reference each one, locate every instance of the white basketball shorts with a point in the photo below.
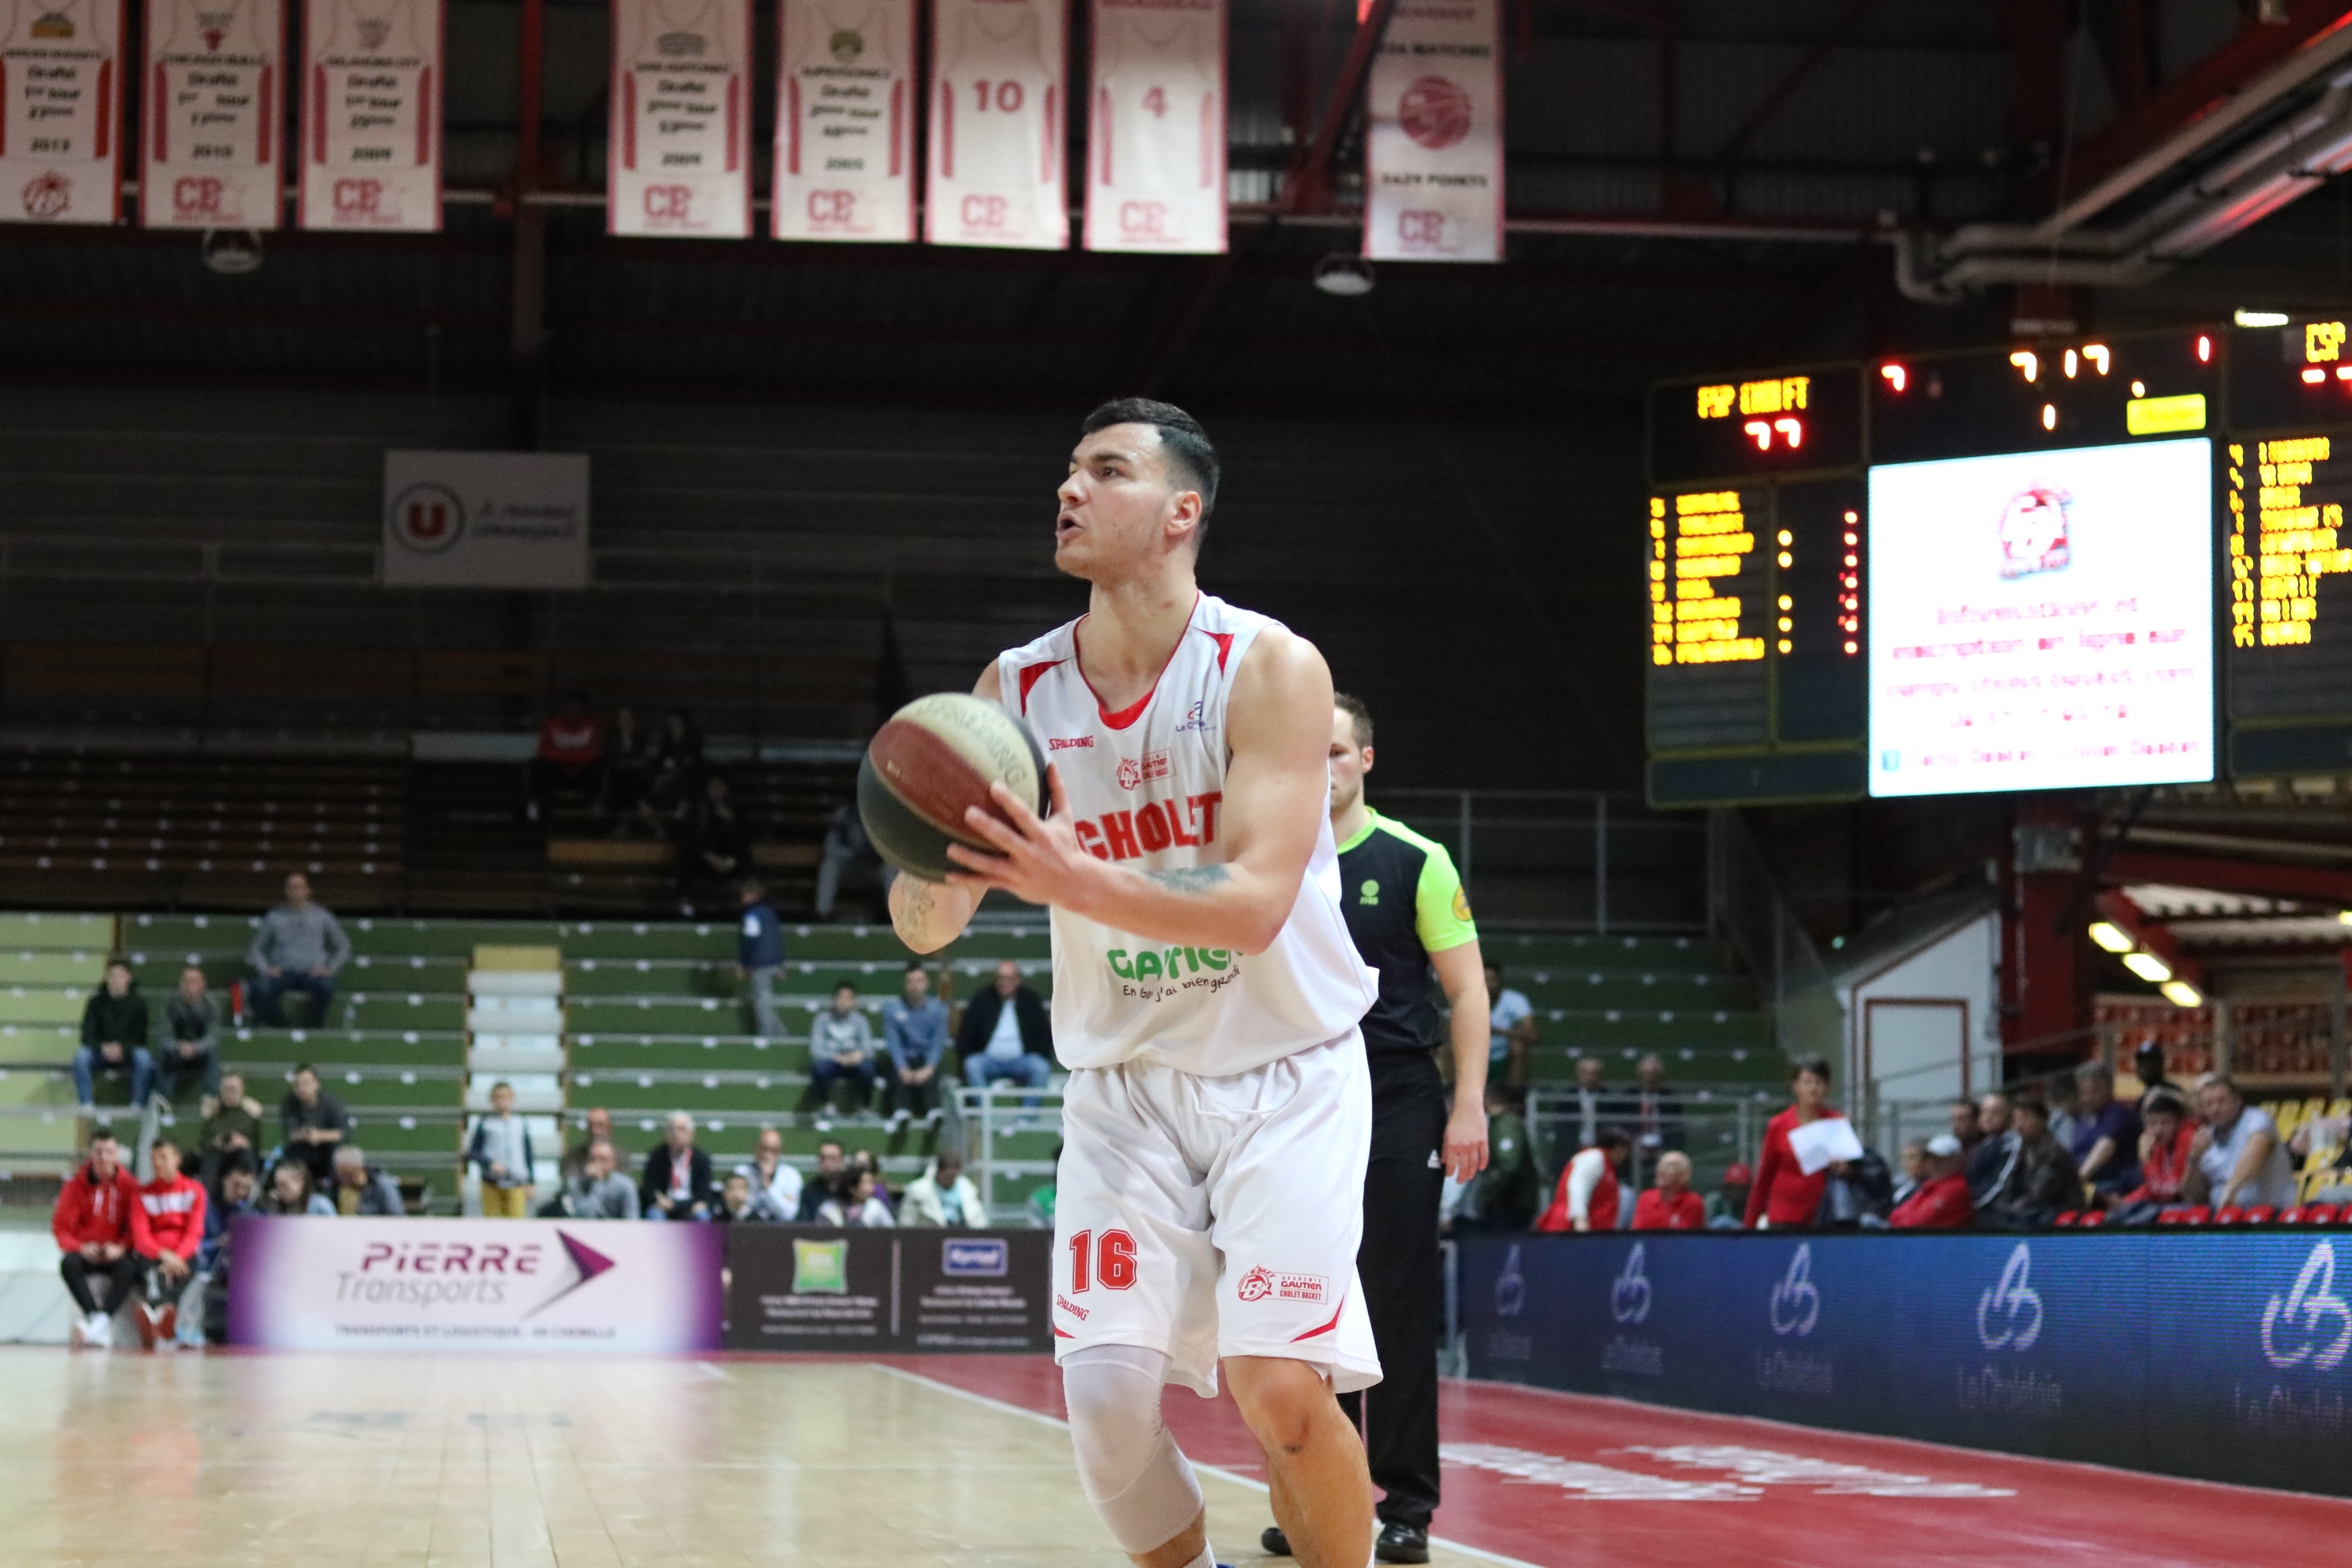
(1216, 1216)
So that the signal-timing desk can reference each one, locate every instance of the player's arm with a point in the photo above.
(929, 915)
(1277, 790)
(1461, 975)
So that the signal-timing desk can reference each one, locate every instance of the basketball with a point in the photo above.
(935, 758)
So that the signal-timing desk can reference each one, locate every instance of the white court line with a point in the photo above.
(1220, 1472)
(714, 1372)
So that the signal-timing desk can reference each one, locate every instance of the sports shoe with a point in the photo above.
(824, 1123)
(150, 1328)
(1403, 1543)
(1274, 1544)
(97, 1332)
(167, 1326)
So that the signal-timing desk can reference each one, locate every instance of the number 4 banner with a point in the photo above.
(1156, 132)
(999, 101)
(1434, 150)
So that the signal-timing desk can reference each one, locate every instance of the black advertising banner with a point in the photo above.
(793, 1288)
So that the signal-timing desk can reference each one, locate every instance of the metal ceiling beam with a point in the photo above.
(1794, 78)
(2266, 879)
(1307, 185)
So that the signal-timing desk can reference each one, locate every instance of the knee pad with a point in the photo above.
(1137, 1480)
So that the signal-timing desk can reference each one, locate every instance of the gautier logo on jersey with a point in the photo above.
(1154, 826)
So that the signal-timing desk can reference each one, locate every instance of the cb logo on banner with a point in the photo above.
(1796, 1299)
(2312, 1326)
(2014, 1304)
(1629, 1293)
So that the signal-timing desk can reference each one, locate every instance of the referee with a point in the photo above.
(1406, 909)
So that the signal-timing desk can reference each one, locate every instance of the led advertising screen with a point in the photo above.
(2042, 620)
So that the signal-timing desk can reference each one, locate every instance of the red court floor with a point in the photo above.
(1558, 1480)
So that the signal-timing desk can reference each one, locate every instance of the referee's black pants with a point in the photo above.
(1403, 1294)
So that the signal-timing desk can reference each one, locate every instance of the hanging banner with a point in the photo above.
(216, 101)
(998, 102)
(1156, 126)
(678, 160)
(371, 115)
(61, 124)
(1433, 140)
(845, 87)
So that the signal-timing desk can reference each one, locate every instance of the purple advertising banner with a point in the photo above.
(474, 1284)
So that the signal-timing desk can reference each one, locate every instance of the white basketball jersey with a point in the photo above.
(61, 111)
(1147, 787)
(214, 113)
(996, 174)
(1157, 147)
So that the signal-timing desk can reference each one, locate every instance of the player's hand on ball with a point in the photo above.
(1037, 861)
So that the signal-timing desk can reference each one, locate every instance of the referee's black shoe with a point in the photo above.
(1398, 1544)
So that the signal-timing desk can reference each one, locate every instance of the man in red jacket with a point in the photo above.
(1942, 1201)
(166, 1228)
(93, 1227)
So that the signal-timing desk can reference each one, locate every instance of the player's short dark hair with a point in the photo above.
(1360, 718)
(1189, 455)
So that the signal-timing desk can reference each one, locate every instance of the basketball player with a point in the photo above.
(1411, 921)
(1205, 1001)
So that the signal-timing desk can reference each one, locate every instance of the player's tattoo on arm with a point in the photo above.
(1198, 879)
(914, 910)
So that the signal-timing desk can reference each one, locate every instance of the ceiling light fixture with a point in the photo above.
(2112, 937)
(231, 252)
(2259, 318)
(1349, 277)
(2148, 967)
(2180, 994)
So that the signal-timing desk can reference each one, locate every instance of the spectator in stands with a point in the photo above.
(92, 1224)
(595, 1127)
(1510, 1030)
(1590, 1097)
(2323, 1134)
(501, 1155)
(299, 947)
(291, 1192)
(2166, 1142)
(598, 1190)
(847, 848)
(1007, 1034)
(312, 1122)
(1671, 1205)
(2043, 1183)
(674, 773)
(676, 1183)
(1996, 1153)
(760, 957)
(841, 1050)
(915, 1032)
(1965, 1125)
(1586, 1198)
(1507, 1193)
(232, 1125)
(2058, 1093)
(855, 1204)
(1784, 1198)
(864, 1160)
(714, 839)
(1941, 1200)
(570, 755)
(2106, 1131)
(2148, 1066)
(237, 1195)
(114, 1038)
(1914, 1170)
(190, 1053)
(944, 1195)
(734, 1199)
(1657, 1110)
(361, 1188)
(629, 765)
(168, 1230)
(775, 1185)
(2239, 1159)
(829, 1166)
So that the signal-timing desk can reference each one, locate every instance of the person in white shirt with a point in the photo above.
(775, 1184)
(944, 1195)
(2239, 1159)
(1510, 1030)
(855, 1206)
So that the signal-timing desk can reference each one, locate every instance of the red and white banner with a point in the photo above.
(61, 121)
(1156, 126)
(999, 101)
(847, 92)
(372, 78)
(1434, 141)
(678, 159)
(215, 106)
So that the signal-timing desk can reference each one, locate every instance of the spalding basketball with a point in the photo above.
(934, 759)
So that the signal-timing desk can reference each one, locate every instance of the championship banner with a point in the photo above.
(216, 100)
(999, 97)
(505, 1286)
(845, 100)
(61, 121)
(678, 159)
(484, 520)
(1156, 126)
(793, 1289)
(1433, 134)
(371, 115)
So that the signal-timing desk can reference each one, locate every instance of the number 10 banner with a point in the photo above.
(999, 102)
(1433, 145)
(1156, 131)
(679, 153)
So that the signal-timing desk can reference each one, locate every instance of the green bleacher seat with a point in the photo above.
(595, 1055)
(42, 1004)
(57, 932)
(39, 968)
(37, 1043)
(400, 1010)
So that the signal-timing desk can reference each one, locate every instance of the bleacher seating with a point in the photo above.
(49, 963)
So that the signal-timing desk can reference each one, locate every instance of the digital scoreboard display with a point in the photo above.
(1790, 422)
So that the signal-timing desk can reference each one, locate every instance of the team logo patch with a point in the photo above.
(681, 45)
(846, 45)
(1192, 720)
(373, 31)
(1070, 744)
(1260, 1283)
(1134, 774)
(53, 25)
(48, 196)
(1370, 893)
(1461, 905)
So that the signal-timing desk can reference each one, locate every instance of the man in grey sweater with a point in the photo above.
(299, 947)
(600, 1191)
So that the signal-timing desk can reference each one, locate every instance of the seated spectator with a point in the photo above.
(714, 839)
(944, 1195)
(2323, 1134)
(676, 1183)
(1671, 1205)
(312, 1122)
(1994, 1158)
(167, 1230)
(864, 1160)
(915, 1036)
(299, 947)
(598, 1190)
(501, 1155)
(674, 773)
(775, 1185)
(1510, 1030)
(1586, 1195)
(232, 1125)
(2106, 1131)
(570, 755)
(829, 1166)
(237, 1195)
(291, 1192)
(595, 1127)
(1507, 1193)
(2058, 1094)
(760, 957)
(841, 1051)
(1914, 1170)
(2148, 1066)
(2239, 1159)
(846, 849)
(1784, 1198)
(2166, 1139)
(857, 1205)
(361, 1188)
(92, 1224)
(114, 1038)
(190, 1058)
(734, 1199)
(2041, 1182)
(1941, 1200)
(1657, 1110)
(1727, 1208)
(1965, 1125)
(629, 764)
(1007, 1034)
(1591, 1100)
